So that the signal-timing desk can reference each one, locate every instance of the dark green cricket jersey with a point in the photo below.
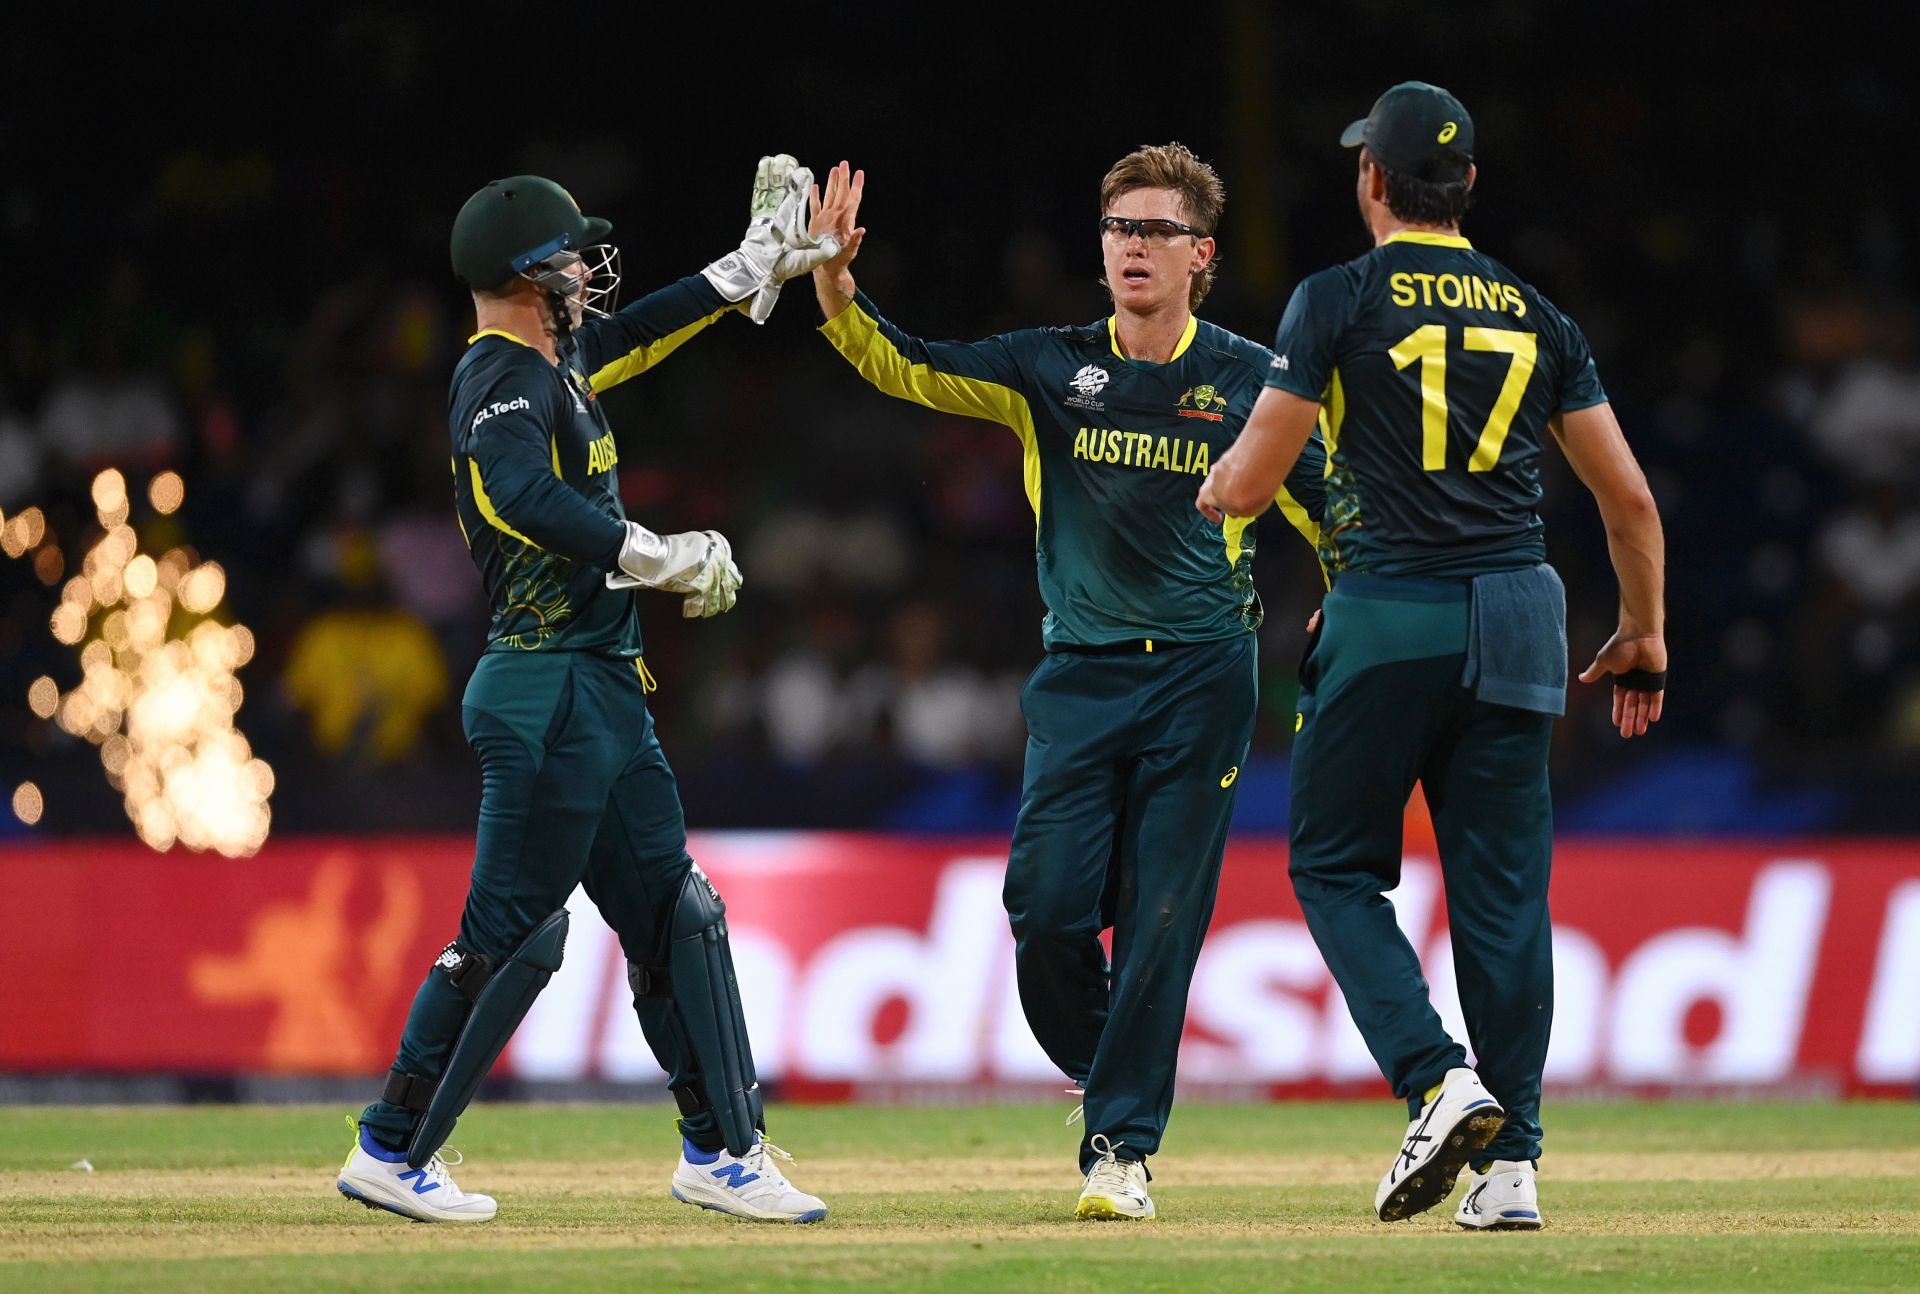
(533, 471)
(1114, 452)
(1437, 371)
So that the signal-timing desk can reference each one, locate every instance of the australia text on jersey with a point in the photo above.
(1138, 449)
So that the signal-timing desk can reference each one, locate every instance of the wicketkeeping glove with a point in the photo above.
(698, 564)
(800, 252)
(777, 246)
(739, 274)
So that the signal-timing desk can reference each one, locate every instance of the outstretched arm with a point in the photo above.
(640, 335)
(975, 379)
(614, 349)
(838, 214)
(1601, 458)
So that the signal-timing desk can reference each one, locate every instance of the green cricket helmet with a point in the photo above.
(529, 226)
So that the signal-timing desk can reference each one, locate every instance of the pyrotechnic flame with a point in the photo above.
(158, 693)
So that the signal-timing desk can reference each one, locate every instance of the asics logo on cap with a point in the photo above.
(1448, 131)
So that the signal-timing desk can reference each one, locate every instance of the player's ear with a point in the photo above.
(1473, 173)
(1203, 250)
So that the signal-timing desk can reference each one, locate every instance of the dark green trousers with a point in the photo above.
(575, 790)
(1382, 707)
(1132, 765)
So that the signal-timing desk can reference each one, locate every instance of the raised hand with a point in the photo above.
(839, 212)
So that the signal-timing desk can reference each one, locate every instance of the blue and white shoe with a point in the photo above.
(1458, 1120)
(380, 1179)
(751, 1186)
(1501, 1196)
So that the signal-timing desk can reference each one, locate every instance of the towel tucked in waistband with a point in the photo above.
(1517, 640)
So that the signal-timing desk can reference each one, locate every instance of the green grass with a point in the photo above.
(1752, 1197)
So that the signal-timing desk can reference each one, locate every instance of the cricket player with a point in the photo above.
(576, 790)
(1140, 714)
(1435, 373)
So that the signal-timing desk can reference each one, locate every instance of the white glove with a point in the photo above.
(777, 246)
(800, 251)
(698, 564)
(739, 274)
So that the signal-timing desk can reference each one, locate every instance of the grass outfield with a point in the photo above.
(1637, 1197)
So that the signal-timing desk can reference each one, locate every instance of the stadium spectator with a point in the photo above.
(366, 673)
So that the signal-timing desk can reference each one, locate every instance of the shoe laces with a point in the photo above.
(1080, 1110)
(444, 1158)
(1109, 1172)
(757, 1159)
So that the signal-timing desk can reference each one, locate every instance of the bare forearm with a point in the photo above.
(834, 290)
(1638, 548)
(1245, 478)
(1236, 487)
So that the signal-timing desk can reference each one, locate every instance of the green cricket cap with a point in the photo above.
(1419, 130)
(517, 222)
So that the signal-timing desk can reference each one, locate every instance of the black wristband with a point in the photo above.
(1642, 680)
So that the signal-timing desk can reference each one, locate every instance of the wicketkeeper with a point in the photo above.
(576, 790)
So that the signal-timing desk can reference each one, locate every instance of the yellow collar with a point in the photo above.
(500, 332)
(1430, 239)
(1186, 338)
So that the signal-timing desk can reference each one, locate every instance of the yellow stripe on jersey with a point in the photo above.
(453, 465)
(1235, 530)
(1186, 338)
(1333, 412)
(858, 338)
(486, 507)
(1296, 515)
(500, 332)
(1429, 239)
(639, 360)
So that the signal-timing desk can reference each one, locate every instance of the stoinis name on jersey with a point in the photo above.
(1138, 449)
(1465, 290)
(497, 407)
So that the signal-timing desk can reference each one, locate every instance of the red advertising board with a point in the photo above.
(876, 964)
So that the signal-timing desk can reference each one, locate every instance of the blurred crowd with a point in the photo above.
(1760, 345)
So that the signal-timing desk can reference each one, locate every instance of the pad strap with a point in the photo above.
(650, 981)
(1642, 680)
(409, 1091)
(467, 970)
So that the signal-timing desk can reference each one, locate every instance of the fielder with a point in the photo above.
(1140, 714)
(1434, 374)
(576, 790)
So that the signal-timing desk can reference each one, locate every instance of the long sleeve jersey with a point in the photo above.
(1115, 450)
(533, 471)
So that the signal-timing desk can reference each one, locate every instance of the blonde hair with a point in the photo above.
(1172, 166)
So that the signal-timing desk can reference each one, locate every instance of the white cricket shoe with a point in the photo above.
(380, 1179)
(1116, 1188)
(750, 1186)
(1455, 1124)
(1500, 1197)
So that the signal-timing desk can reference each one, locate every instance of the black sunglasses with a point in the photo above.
(1155, 233)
